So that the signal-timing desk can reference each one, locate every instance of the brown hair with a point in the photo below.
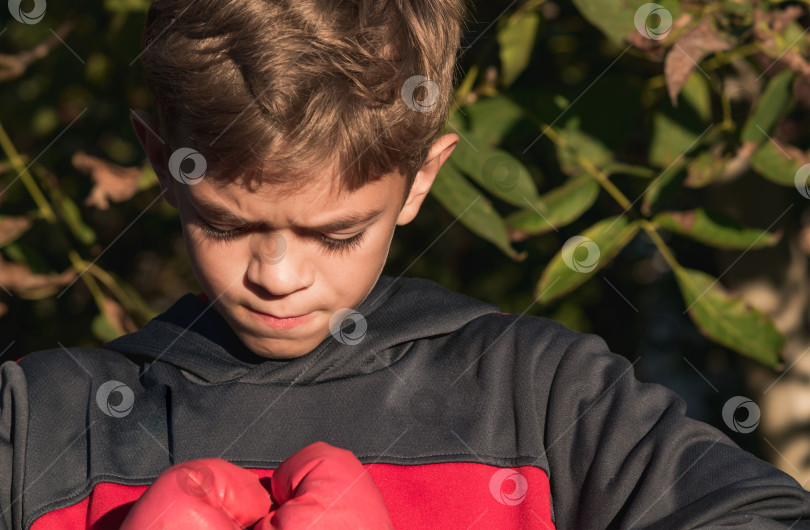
(279, 90)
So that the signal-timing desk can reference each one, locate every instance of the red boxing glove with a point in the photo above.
(322, 486)
(204, 494)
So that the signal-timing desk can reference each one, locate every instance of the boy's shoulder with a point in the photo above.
(60, 383)
(74, 364)
(421, 304)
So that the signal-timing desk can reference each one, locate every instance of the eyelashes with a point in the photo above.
(328, 244)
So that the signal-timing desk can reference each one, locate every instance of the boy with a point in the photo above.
(293, 136)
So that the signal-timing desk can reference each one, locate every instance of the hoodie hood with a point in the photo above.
(192, 336)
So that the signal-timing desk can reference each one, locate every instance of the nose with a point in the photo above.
(275, 266)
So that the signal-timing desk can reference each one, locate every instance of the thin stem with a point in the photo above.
(669, 257)
(588, 166)
(46, 212)
(95, 290)
(28, 180)
(132, 306)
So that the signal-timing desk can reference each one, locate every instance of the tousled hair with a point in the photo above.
(279, 91)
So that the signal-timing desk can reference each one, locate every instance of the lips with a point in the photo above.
(273, 321)
(278, 316)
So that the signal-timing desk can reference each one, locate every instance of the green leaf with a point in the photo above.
(715, 228)
(737, 7)
(497, 171)
(565, 204)
(772, 106)
(677, 132)
(516, 39)
(674, 136)
(704, 169)
(666, 184)
(582, 256)
(778, 164)
(472, 209)
(579, 143)
(698, 94)
(728, 320)
(494, 119)
(615, 18)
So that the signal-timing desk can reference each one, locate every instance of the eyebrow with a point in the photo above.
(219, 213)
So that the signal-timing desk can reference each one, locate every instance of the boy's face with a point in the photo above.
(275, 256)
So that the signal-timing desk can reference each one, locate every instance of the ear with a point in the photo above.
(155, 148)
(439, 152)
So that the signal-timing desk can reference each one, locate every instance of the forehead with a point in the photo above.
(314, 203)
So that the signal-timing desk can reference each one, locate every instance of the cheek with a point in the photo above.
(382, 241)
(373, 249)
(365, 263)
(215, 265)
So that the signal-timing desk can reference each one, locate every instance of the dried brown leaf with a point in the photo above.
(655, 49)
(12, 227)
(781, 19)
(14, 66)
(113, 182)
(691, 48)
(767, 25)
(22, 281)
(118, 317)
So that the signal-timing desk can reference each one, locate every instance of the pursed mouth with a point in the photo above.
(280, 322)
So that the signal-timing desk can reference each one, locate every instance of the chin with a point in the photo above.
(278, 353)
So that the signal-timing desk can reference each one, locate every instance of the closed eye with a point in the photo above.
(328, 244)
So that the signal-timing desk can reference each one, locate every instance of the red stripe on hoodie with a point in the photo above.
(445, 495)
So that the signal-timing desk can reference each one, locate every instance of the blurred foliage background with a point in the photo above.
(630, 169)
